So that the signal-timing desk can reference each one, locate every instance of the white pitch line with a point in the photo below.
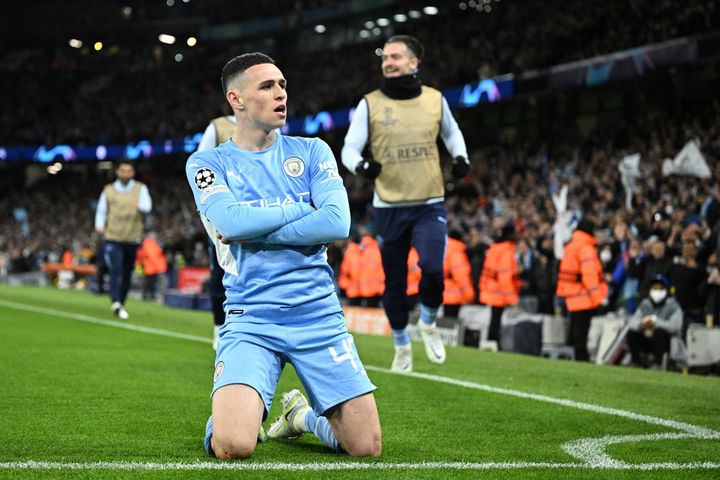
(335, 466)
(685, 427)
(103, 321)
(590, 450)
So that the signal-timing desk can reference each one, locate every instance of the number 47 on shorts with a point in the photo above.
(348, 355)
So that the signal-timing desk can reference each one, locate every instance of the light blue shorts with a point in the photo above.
(322, 352)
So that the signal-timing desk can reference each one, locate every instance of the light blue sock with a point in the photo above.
(401, 337)
(208, 437)
(323, 430)
(428, 315)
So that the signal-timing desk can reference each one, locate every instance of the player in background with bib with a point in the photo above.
(401, 122)
(120, 219)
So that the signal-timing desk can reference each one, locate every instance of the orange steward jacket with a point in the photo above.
(500, 278)
(414, 273)
(458, 274)
(151, 257)
(350, 270)
(361, 270)
(580, 281)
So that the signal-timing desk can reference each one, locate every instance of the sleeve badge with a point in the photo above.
(204, 178)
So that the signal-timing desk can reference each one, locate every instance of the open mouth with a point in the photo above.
(280, 109)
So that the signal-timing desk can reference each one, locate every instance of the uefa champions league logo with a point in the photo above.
(204, 178)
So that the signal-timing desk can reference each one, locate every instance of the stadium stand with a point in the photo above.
(120, 84)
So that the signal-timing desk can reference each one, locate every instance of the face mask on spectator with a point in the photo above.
(657, 295)
(605, 256)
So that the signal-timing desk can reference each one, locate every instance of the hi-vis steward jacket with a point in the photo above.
(458, 274)
(414, 273)
(500, 278)
(361, 270)
(580, 280)
(151, 258)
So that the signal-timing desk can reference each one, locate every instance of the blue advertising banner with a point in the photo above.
(465, 96)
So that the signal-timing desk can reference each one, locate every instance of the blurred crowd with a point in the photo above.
(106, 97)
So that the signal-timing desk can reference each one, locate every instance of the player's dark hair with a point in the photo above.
(412, 43)
(239, 64)
(123, 161)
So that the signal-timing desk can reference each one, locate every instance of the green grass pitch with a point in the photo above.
(83, 397)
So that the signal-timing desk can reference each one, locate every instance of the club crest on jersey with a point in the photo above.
(204, 178)
(294, 166)
(218, 371)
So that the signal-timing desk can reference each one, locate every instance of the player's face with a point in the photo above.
(263, 96)
(398, 60)
(125, 172)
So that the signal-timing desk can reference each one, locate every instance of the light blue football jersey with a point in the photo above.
(276, 269)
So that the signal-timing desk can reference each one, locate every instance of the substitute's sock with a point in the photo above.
(428, 315)
(401, 336)
(322, 429)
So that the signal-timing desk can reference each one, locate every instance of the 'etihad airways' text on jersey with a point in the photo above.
(280, 274)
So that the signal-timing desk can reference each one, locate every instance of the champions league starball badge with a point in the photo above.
(204, 178)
